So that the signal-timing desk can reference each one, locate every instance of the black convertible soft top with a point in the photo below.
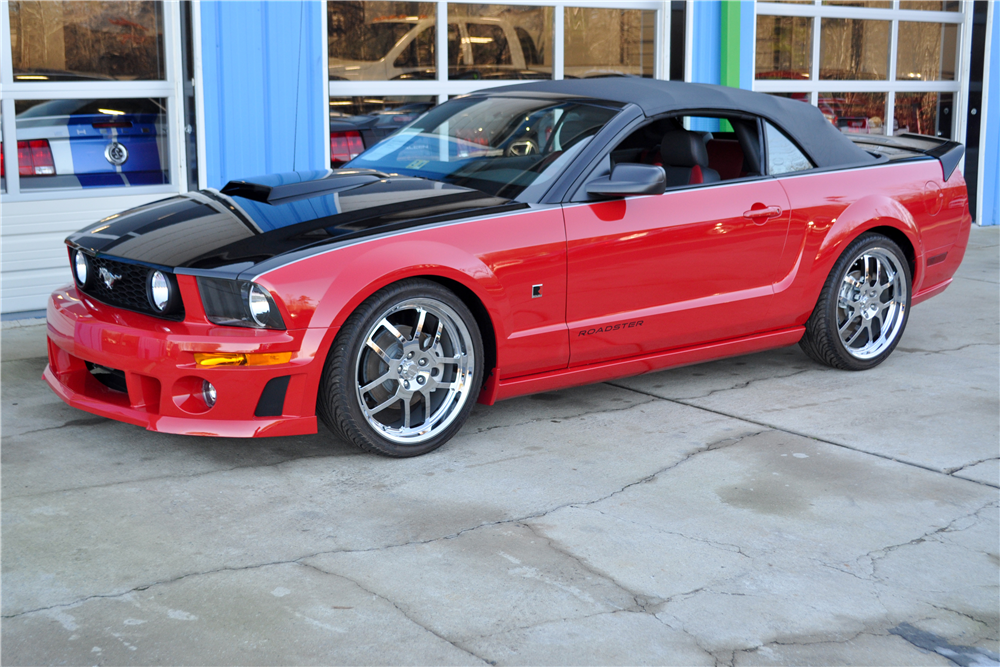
(804, 123)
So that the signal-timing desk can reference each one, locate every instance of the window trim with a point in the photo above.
(890, 85)
(170, 89)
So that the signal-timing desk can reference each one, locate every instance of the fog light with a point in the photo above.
(208, 393)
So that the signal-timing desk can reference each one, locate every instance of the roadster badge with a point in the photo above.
(108, 277)
(116, 154)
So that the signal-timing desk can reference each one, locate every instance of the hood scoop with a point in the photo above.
(340, 179)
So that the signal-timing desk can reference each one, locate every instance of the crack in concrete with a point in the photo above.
(722, 546)
(264, 465)
(961, 613)
(916, 350)
(680, 628)
(820, 642)
(552, 621)
(952, 471)
(87, 421)
(821, 563)
(193, 475)
(712, 446)
(450, 536)
(876, 555)
(402, 611)
(586, 413)
(775, 427)
(641, 601)
(743, 385)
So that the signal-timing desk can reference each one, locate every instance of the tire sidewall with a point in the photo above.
(860, 245)
(357, 326)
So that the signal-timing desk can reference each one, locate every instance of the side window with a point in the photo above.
(783, 157)
(695, 150)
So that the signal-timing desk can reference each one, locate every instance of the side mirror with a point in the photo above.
(630, 179)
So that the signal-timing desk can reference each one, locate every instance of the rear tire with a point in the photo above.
(404, 371)
(863, 308)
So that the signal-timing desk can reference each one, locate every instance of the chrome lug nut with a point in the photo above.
(423, 362)
(420, 379)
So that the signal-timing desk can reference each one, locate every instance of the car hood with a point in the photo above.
(252, 221)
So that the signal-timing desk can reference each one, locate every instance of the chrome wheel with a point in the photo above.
(871, 305)
(414, 372)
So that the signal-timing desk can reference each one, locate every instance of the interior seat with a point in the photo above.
(685, 159)
(726, 157)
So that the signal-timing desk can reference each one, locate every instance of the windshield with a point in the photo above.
(498, 145)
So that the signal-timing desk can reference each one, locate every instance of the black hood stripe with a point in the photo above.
(209, 231)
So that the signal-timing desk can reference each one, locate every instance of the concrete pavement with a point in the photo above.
(757, 510)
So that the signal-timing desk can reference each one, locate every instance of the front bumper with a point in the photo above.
(164, 383)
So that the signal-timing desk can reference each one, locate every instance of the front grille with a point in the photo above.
(128, 290)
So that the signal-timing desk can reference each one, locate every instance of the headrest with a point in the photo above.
(681, 148)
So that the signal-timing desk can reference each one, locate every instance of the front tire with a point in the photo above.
(404, 370)
(863, 308)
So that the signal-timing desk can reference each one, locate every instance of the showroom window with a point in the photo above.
(89, 105)
(389, 60)
(871, 66)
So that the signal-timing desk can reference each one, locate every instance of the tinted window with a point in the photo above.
(782, 155)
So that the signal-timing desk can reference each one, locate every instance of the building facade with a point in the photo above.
(111, 105)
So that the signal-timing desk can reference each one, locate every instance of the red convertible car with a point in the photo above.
(520, 240)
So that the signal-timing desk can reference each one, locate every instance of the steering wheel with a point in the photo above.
(522, 147)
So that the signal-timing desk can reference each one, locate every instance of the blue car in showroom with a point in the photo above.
(72, 144)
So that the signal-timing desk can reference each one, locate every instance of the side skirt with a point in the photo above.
(928, 292)
(612, 370)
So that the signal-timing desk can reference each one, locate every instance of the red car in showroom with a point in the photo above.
(523, 239)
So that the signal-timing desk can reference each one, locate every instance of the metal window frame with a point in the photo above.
(443, 88)
(890, 85)
(169, 89)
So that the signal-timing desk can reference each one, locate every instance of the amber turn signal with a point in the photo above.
(212, 359)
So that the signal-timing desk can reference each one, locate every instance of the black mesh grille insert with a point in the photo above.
(128, 287)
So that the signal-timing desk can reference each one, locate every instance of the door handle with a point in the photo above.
(762, 215)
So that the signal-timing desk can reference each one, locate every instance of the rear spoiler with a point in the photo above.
(948, 153)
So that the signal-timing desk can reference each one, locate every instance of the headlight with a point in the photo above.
(259, 302)
(81, 267)
(239, 303)
(159, 290)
